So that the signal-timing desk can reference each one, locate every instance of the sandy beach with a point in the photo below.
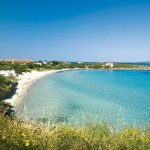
(24, 82)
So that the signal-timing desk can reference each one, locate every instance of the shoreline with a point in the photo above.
(24, 82)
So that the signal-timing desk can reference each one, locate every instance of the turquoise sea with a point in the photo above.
(88, 96)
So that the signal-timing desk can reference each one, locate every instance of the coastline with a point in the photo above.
(28, 78)
(24, 82)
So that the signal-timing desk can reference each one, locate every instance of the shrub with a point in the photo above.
(18, 135)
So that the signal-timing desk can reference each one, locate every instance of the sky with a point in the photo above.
(75, 30)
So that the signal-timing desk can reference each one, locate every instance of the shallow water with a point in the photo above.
(82, 96)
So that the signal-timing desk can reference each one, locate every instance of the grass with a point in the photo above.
(18, 135)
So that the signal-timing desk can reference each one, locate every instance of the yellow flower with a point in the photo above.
(27, 143)
(4, 137)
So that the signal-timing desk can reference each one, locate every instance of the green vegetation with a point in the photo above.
(6, 87)
(18, 135)
(41, 66)
(119, 65)
(19, 68)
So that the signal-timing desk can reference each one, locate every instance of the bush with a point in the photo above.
(133, 139)
(6, 87)
(18, 135)
(68, 138)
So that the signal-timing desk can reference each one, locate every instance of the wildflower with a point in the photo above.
(27, 143)
(4, 137)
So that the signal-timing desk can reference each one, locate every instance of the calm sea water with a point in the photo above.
(83, 96)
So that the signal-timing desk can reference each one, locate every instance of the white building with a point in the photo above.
(109, 64)
(44, 62)
(8, 73)
(38, 63)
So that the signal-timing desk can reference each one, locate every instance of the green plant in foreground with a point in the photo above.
(133, 138)
(18, 135)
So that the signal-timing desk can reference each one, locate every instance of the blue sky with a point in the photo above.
(75, 30)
